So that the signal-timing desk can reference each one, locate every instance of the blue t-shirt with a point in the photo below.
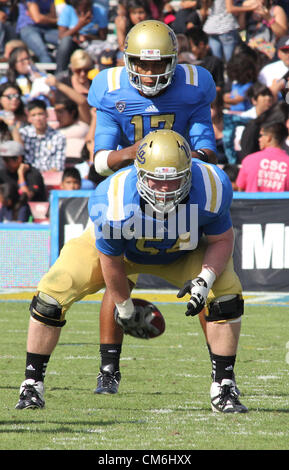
(68, 19)
(241, 90)
(23, 17)
(124, 116)
(124, 225)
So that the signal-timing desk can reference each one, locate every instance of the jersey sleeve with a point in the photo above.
(215, 197)
(201, 130)
(107, 133)
(97, 90)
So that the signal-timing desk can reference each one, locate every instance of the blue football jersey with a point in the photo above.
(124, 116)
(124, 224)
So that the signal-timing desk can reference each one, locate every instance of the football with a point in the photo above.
(153, 317)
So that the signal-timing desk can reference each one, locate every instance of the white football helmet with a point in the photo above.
(164, 156)
(150, 40)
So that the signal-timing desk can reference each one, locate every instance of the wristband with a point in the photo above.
(125, 309)
(100, 163)
(21, 184)
(208, 276)
(202, 155)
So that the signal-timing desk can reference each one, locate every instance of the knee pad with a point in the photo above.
(226, 309)
(46, 310)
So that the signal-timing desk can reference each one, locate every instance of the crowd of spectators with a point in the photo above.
(50, 51)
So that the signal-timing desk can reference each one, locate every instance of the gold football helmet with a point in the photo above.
(150, 40)
(163, 163)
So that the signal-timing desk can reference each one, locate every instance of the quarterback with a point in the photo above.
(151, 92)
(196, 257)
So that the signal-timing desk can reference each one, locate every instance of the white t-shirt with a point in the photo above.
(273, 71)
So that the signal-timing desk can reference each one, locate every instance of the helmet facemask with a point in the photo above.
(154, 41)
(163, 80)
(164, 201)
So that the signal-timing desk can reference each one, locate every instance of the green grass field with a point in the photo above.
(163, 401)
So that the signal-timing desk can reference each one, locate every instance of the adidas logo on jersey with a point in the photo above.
(152, 109)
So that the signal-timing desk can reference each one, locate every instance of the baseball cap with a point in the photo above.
(106, 59)
(283, 43)
(10, 148)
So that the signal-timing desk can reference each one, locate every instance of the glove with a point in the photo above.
(138, 324)
(199, 290)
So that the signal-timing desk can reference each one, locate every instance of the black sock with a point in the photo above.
(36, 366)
(209, 349)
(223, 367)
(110, 355)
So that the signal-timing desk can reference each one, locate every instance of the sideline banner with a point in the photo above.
(261, 224)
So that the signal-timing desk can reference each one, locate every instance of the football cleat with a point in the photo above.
(31, 395)
(107, 381)
(237, 390)
(225, 399)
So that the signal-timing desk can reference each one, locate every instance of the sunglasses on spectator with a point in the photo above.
(85, 70)
(16, 96)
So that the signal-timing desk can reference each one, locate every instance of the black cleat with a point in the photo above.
(31, 395)
(107, 381)
(225, 399)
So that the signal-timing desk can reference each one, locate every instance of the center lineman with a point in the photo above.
(166, 179)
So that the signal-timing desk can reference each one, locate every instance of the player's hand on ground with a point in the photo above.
(198, 290)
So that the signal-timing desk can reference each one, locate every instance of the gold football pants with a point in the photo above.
(77, 272)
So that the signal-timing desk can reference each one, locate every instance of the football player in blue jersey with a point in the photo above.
(151, 92)
(185, 203)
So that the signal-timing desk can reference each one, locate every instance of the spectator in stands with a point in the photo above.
(135, 12)
(249, 139)
(22, 70)
(77, 74)
(267, 170)
(28, 179)
(232, 171)
(9, 47)
(242, 73)
(8, 16)
(275, 75)
(13, 206)
(222, 25)
(265, 26)
(37, 26)
(74, 130)
(62, 90)
(262, 99)
(44, 147)
(199, 46)
(186, 18)
(11, 105)
(218, 125)
(77, 78)
(80, 22)
(71, 179)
